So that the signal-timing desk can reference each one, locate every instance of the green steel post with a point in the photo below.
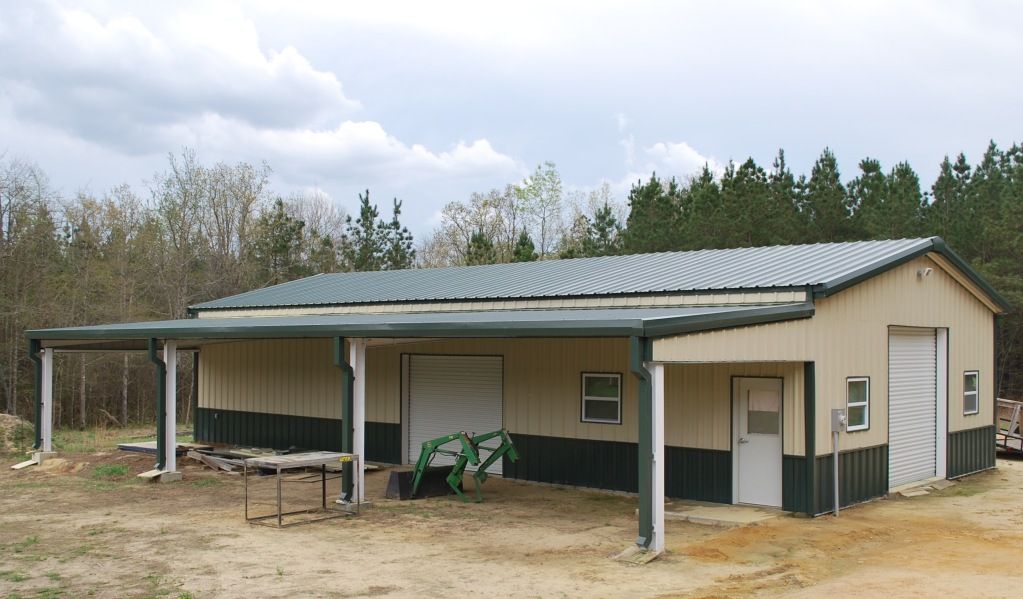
(638, 353)
(33, 354)
(347, 407)
(161, 404)
(195, 395)
(810, 436)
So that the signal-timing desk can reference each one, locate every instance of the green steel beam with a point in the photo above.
(33, 354)
(639, 352)
(347, 409)
(161, 405)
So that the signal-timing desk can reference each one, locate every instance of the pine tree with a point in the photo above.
(480, 250)
(604, 233)
(784, 202)
(399, 251)
(277, 245)
(653, 220)
(525, 250)
(827, 202)
(703, 223)
(867, 198)
(904, 205)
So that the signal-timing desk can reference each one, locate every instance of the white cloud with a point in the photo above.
(681, 159)
(355, 151)
(111, 78)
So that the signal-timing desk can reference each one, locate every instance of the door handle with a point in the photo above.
(743, 440)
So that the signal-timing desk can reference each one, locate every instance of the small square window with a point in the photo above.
(857, 403)
(971, 392)
(602, 398)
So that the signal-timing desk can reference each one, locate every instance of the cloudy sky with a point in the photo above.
(430, 104)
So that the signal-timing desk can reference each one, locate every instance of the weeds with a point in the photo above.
(11, 576)
(107, 471)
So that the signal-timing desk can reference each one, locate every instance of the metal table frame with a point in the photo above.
(283, 463)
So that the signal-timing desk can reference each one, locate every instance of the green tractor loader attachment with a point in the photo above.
(469, 451)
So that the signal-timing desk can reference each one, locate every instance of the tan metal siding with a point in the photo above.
(848, 336)
(698, 403)
(283, 376)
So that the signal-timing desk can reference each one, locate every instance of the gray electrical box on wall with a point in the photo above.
(837, 421)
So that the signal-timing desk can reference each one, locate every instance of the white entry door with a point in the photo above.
(756, 441)
(449, 394)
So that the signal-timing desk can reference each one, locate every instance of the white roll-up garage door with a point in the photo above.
(912, 405)
(448, 394)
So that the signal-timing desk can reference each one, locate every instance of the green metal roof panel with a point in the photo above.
(824, 266)
(497, 323)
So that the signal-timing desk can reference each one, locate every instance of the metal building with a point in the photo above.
(706, 375)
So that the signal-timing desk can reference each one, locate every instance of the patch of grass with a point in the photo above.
(280, 571)
(207, 482)
(107, 471)
(77, 552)
(11, 576)
(185, 595)
(23, 545)
(54, 576)
(50, 593)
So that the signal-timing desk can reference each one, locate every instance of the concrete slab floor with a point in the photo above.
(713, 514)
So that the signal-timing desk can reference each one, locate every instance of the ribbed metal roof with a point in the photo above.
(610, 322)
(820, 265)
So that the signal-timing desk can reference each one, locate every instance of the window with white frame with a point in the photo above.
(602, 398)
(971, 392)
(857, 403)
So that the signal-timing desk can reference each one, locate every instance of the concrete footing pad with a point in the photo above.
(637, 556)
(162, 476)
(720, 515)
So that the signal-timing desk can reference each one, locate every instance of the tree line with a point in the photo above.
(207, 231)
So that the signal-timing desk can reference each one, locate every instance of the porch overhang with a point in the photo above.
(609, 322)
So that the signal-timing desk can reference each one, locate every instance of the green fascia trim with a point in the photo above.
(677, 326)
(926, 246)
(621, 322)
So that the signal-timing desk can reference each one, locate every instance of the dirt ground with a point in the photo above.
(82, 525)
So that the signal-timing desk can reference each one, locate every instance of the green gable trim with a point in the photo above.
(934, 244)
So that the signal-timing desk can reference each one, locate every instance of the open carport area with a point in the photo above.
(82, 525)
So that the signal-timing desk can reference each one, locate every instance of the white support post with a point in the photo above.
(170, 358)
(657, 436)
(46, 445)
(357, 358)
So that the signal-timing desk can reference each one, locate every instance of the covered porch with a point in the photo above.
(351, 337)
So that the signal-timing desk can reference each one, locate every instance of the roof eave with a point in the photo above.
(933, 244)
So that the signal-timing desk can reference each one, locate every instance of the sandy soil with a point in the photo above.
(78, 527)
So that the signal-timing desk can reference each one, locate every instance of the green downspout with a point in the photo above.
(33, 354)
(347, 407)
(161, 405)
(639, 352)
(195, 394)
(810, 430)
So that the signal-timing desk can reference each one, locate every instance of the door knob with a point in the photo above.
(743, 440)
